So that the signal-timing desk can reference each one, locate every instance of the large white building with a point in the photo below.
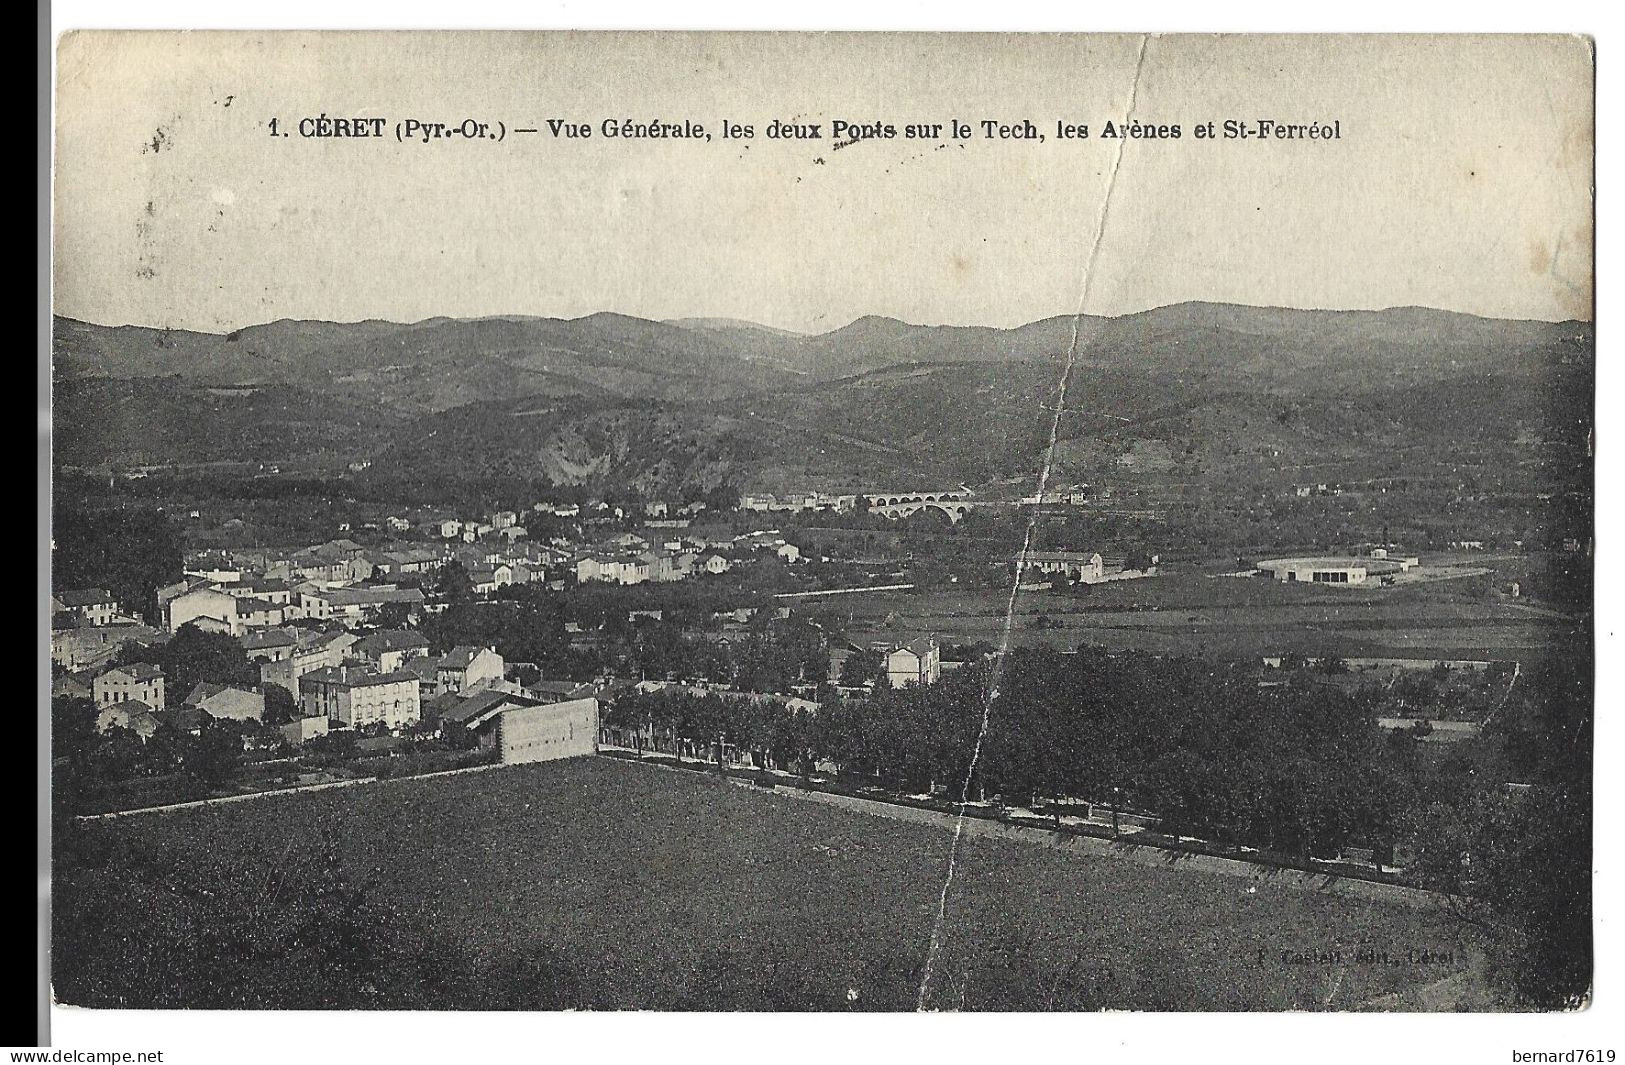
(92, 606)
(139, 682)
(1336, 571)
(465, 669)
(355, 697)
(544, 733)
(1070, 565)
(211, 608)
(917, 662)
(312, 651)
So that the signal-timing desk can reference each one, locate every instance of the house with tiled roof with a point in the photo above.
(272, 591)
(170, 591)
(589, 567)
(73, 686)
(201, 691)
(304, 729)
(472, 710)
(388, 650)
(92, 606)
(315, 650)
(558, 691)
(355, 697)
(233, 704)
(204, 605)
(486, 579)
(917, 662)
(255, 613)
(426, 668)
(524, 729)
(269, 645)
(188, 719)
(1070, 565)
(92, 646)
(133, 714)
(355, 605)
(337, 560)
(659, 565)
(140, 681)
(465, 668)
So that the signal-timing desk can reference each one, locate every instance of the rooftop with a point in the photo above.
(84, 597)
(138, 670)
(390, 640)
(369, 596)
(460, 657)
(350, 677)
(263, 638)
(470, 709)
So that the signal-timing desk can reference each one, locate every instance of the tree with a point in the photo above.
(212, 756)
(1517, 871)
(117, 756)
(73, 727)
(163, 751)
(861, 668)
(280, 705)
(453, 584)
(724, 497)
(334, 748)
(130, 552)
(193, 656)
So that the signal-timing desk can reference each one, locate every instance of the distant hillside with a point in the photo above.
(935, 424)
(1194, 387)
(155, 421)
(1292, 350)
(429, 365)
(612, 354)
(732, 325)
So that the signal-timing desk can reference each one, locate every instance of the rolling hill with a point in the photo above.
(694, 402)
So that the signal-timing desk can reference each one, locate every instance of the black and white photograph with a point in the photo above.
(791, 522)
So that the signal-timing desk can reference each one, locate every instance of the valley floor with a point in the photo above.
(1192, 613)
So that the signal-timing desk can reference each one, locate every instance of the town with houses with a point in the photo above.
(334, 625)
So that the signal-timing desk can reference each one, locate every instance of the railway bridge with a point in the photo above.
(953, 503)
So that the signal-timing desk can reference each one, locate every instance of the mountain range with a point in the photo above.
(696, 401)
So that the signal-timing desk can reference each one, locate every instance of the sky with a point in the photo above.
(1461, 180)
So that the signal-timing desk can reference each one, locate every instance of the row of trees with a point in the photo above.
(1298, 769)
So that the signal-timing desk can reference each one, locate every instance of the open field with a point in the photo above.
(1192, 613)
(665, 890)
